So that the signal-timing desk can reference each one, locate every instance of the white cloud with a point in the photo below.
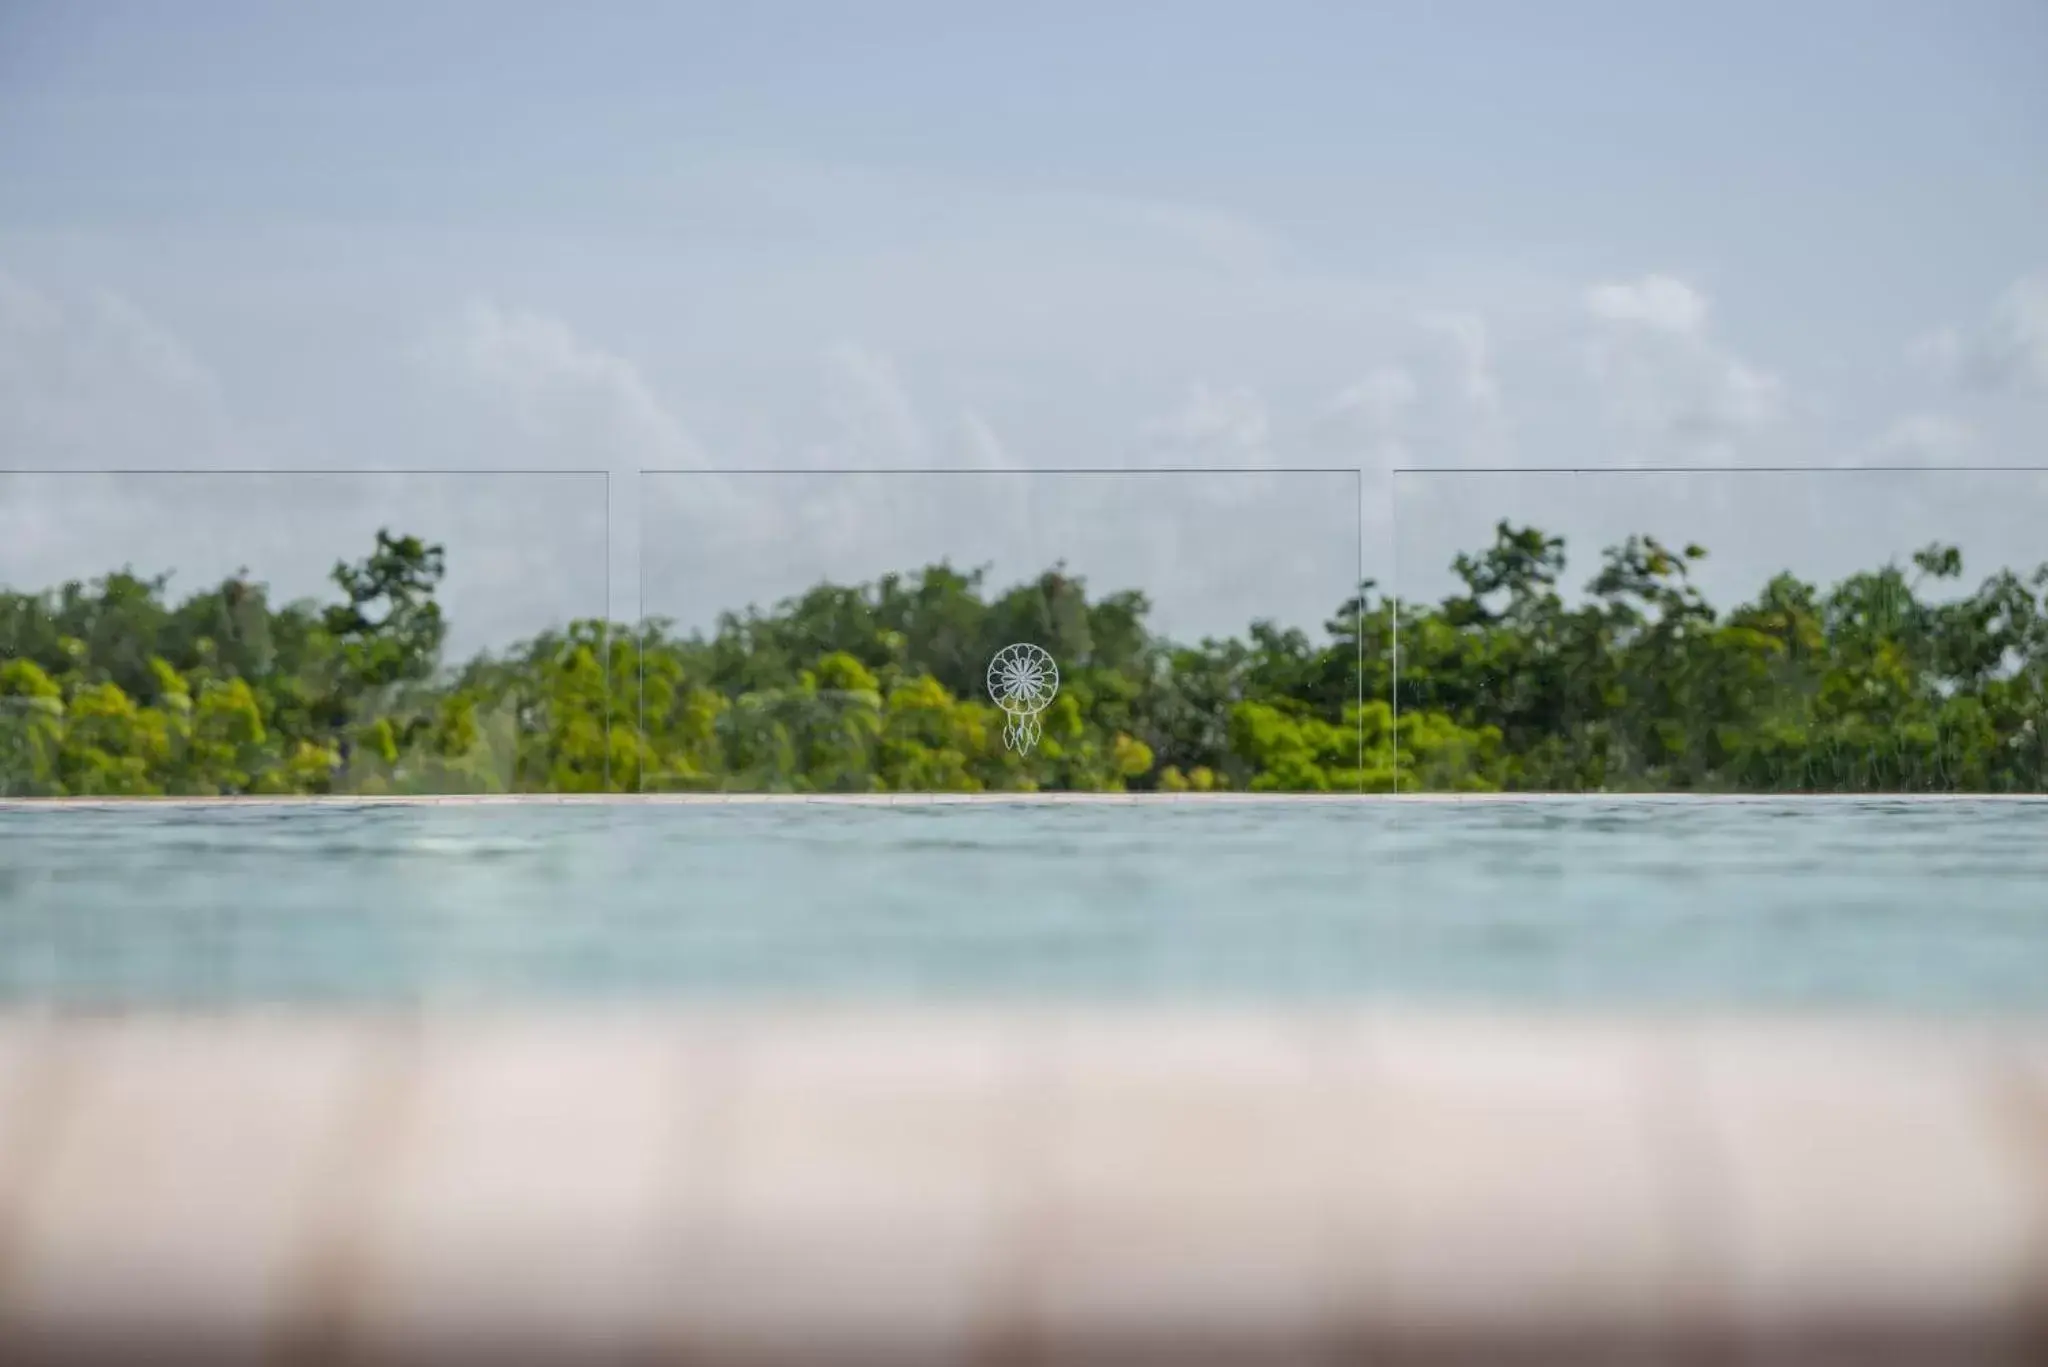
(1663, 374)
(1214, 421)
(2014, 348)
(1436, 406)
(1472, 344)
(1661, 303)
(876, 420)
(95, 382)
(541, 394)
(2008, 351)
(581, 404)
(1369, 422)
(1379, 402)
(1930, 438)
(979, 446)
(1213, 236)
(1738, 395)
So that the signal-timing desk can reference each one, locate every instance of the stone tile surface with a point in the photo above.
(1501, 1180)
(28, 1101)
(178, 1185)
(525, 1191)
(1877, 1180)
(1182, 1192)
(1049, 1187)
(851, 1183)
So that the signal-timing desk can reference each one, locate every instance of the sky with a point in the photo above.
(1257, 258)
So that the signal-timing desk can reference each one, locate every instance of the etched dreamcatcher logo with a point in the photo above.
(1023, 680)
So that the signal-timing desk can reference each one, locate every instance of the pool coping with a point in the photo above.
(1038, 1187)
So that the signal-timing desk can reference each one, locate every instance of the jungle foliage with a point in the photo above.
(1891, 680)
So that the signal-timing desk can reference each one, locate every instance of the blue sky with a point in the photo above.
(814, 236)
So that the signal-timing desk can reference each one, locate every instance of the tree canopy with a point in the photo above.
(1875, 684)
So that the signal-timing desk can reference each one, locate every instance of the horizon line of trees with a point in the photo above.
(109, 688)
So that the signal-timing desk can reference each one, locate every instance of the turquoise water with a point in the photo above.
(1926, 906)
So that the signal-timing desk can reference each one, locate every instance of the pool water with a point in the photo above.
(1896, 904)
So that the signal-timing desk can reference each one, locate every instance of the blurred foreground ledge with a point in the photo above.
(841, 1187)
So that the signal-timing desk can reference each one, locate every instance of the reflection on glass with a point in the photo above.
(303, 634)
(1730, 631)
(1006, 631)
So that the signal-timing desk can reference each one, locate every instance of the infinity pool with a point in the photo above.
(1929, 906)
